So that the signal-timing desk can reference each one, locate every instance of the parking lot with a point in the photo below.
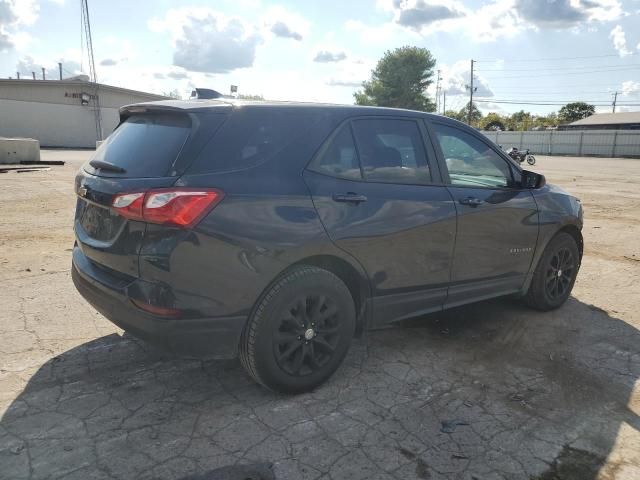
(488, 391)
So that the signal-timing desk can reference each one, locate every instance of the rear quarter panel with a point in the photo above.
(265, 223)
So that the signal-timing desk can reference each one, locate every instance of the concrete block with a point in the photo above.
(14, 150)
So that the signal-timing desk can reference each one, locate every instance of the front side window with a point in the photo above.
(391, 151)
(470, 161)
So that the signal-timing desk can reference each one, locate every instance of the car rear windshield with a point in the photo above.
(252, 136)
(144, 145)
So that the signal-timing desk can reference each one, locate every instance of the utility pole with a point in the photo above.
(33, 75)
(471, 90)
(615, 99)
(438, 92)
(18, 75)
(93, 77)
(43, 74)
(60, 69)
(444, 101)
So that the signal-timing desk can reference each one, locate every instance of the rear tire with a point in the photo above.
(555, 274)
(531, 160)
(299, 331)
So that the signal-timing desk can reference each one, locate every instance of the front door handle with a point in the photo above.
(471, 201)
(349, 197)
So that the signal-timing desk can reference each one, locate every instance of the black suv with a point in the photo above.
(277, 231)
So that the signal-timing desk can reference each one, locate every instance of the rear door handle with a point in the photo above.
(471, 201)
(349, 197)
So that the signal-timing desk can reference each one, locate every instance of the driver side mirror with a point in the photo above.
(533, 180)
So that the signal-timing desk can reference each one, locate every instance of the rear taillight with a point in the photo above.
(155, 310)
(180, 207)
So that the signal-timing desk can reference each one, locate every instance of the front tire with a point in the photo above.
(555, 274)
(531, 160)
(299, 331)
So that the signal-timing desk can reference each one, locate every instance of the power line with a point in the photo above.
(558, 68)
(551, 59)
(520, 84)
(571, 99)
(622, 69)
(547, 91)
(526, 102)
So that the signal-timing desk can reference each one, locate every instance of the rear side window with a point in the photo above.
(339, 157)
(146, 145)
(392, 151)
(252, 136)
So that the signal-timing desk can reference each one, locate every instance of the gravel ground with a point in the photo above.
(490, 391)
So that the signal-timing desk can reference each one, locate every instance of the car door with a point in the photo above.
(378, 191)
(497, 218)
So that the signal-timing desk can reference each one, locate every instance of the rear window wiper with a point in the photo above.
(102, 165)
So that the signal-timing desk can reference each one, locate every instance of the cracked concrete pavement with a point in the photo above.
(489, 391)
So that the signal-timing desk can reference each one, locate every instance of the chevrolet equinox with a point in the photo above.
(277, 231)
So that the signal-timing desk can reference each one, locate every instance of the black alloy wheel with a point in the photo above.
(555, 274)
(300, 330)
(560, 273)
(308, 334)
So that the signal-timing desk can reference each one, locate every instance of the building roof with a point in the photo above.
(608, 119)
(74, 82)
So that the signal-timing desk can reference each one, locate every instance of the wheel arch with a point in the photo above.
(350, 276)
(569, 229)
(575, 232)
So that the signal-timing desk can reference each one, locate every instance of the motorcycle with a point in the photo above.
(521, 156)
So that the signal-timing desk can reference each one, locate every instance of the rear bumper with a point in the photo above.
(216, 337)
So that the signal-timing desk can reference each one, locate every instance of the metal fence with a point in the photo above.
(600, 143)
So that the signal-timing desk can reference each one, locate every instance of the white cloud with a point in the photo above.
(329, 56)
(209, 41)
(28, 64)
(418, 14)
(630, 88)
(492, 20)
(285, 24)
(350, 73)
(206, 40)
(15, 14)
(619, 41)
(380, 34)
(567, 13)
(455, 78)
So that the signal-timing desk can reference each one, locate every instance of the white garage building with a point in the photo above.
(62, 113)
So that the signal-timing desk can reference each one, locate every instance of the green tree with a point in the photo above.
(575, 111)
(173, 94)
(453, 114)
(400, 80)
(476, 114)
(551, 119)
(242, 96)
(520, 120)
(493, 121)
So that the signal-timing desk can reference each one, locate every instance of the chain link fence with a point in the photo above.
(599, 143)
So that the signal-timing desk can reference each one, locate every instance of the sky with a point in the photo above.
(528, 54)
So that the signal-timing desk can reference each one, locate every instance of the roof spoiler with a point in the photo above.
(205, 93)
